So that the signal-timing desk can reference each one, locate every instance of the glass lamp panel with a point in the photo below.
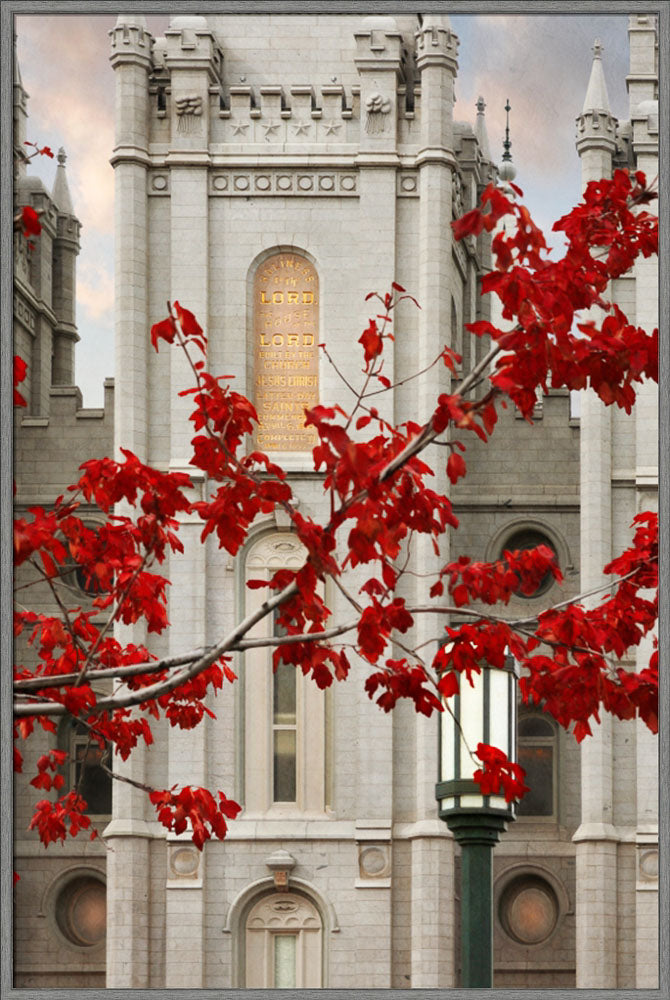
(447, 744)
(472, 721)
(499, 714)
(498, 802)
(285, 961)
(284, 754)
(471, 801)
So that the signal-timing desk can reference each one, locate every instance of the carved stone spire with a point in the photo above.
(61, 188)
(596, 98)
(480, 129)
(596, 126)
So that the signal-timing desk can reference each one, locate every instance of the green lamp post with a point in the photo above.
(483, 713)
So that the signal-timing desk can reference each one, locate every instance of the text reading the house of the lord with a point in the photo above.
(286, 336)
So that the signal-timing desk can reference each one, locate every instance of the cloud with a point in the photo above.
(542, 63)
(71, 104)
(95, 287)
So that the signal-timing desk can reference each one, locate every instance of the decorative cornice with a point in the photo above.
(130, 154)
(436, 154)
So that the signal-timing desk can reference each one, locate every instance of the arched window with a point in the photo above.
(537, 749)
(284, 712)
(286, 353)
(84, 764)
(283, 943)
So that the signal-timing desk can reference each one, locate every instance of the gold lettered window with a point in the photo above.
(286, 360)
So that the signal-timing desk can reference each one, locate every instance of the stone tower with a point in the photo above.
(618, 833)
(317, 158)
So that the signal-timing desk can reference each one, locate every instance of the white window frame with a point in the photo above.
(277, 915)
(279, 550)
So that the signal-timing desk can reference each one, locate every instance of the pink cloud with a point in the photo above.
(542, 63)
(71, 104)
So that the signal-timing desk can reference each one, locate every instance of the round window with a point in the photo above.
(81, 911)
(530, 538)
(528, 909)
(74, 573)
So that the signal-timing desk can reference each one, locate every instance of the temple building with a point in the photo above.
(270, 171)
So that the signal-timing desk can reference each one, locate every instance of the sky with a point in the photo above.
(540, 62)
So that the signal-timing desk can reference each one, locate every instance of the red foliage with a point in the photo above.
(379, 501)
(499, 775)
(197, 808)
(39, 151)
(20, 370)
(30, 221)
(57, 820)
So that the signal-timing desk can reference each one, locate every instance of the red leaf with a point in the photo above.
(165, 330)
(190, 327)
(371, 341)
(456, 467)
(448, 684)
(470, 224)
(30, 221)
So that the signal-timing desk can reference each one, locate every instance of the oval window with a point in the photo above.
(81, 911)
(528, 909)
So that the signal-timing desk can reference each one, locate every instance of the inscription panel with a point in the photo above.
(286, 361)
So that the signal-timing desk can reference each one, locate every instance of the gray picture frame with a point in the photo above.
(10, 8)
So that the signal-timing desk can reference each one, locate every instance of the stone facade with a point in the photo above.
(325, 146)
(52, 436)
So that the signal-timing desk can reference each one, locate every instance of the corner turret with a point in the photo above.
(436, 60)
(20, 115)
(65, 250)
(596, 126)
(131, 60)
(642, 83)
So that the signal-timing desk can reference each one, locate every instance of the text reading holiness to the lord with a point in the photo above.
(286, 336)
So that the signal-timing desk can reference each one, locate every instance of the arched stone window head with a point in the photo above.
(283, 943)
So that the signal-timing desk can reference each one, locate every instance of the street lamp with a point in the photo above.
(482, 713)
